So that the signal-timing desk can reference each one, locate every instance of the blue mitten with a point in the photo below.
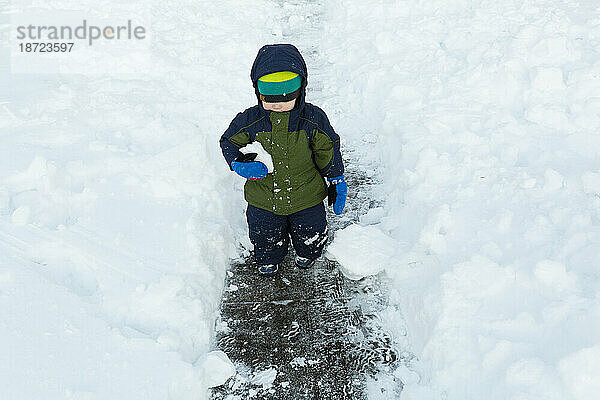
(341, 191)
(250, 170)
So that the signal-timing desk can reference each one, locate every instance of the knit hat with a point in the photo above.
(279, 86)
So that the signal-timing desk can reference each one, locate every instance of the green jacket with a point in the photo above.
(302, 143)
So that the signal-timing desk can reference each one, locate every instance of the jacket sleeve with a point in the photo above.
(233, 139)
(325, 145)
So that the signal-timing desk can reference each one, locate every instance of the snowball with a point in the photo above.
(263, 156)
(362, 250)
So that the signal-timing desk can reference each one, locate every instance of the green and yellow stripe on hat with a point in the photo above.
(279, 86)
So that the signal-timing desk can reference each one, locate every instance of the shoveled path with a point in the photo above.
(310, 334)
(305, 334)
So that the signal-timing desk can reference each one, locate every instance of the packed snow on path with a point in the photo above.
(486, 115)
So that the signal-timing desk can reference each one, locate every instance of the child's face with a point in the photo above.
(279, 107)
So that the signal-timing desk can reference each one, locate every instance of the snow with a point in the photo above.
(579, 371)
(264, 378)
(262, 155)
(119, 217)
(298, 362)
(362, 251)
(217, 368)
(486, 115)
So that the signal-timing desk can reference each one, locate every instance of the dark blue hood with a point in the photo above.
(279, 57)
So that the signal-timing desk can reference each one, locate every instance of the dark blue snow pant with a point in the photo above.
(270, 233)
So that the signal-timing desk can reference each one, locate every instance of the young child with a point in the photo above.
(305, 151)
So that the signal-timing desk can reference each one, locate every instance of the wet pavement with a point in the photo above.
(306, 334)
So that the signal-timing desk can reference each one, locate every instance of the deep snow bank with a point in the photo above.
(118, 215)
(486, 114)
